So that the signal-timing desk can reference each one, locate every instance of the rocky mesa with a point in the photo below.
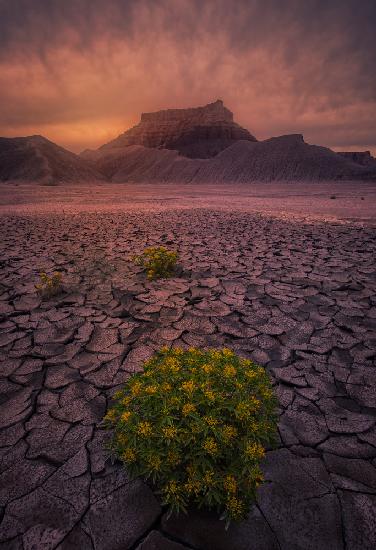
(199, 132)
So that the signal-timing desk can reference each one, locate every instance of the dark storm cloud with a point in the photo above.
(74, 68)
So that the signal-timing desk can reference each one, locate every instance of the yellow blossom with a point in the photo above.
(171, 488)
(209, 394)
(254, 404)
(129, 455)
(111, 415)
(172, 365)
(242, 410)
(236, 507)
(166, 387)
(188, 408)
(169, 432)
(192, 486)
(207, 368)
(208, 478)
(155, 463)
(227, 352)
(254, 451)
(229, 371)
(188, 386)
(125, 416)
(229, 432)
(210, 446)
(230, 484)
(210, 421)
(144, 429)
(173, 458)
(136, 388)
(151, 389)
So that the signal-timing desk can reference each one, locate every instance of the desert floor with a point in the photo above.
(282, 274)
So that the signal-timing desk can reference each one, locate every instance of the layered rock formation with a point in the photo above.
(284, 158)
(37, 159)
(200, 132)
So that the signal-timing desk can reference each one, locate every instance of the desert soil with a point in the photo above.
(282, 274)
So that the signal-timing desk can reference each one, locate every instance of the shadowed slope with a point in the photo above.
(285, 158)
(37, 159)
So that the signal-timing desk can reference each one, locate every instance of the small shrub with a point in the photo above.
(49, 286)
(195, 423)
(158, 261)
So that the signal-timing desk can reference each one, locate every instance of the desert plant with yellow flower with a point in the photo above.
(196, 423)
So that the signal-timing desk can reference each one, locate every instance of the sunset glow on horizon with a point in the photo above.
(80, 73)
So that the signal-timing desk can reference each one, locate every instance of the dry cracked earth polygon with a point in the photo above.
(296, 298)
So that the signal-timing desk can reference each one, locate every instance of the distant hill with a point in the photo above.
(199, 132)
(284, 158)
(37, 159)
(198, 145)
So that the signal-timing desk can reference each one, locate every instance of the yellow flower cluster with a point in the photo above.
(229, 371)
(188, 386)
(171, 488)
(242, 410)
(210, 446)
(151, 389)
(188, 408)
(236, 507)
(49, 286)
(254, 451)
(211, 421)
(229, 433)
(192, 486)
(171, 364)
(173, 458)
(169, 432)
(207, 368)
(136, 388)
(129, 455)
(210, 395)
(155, 463)
(144, 429)
(208, 478)
(126, 416)
(158, 261)
(111, 415)
(254, 404)
(230, 484)
(196, 422)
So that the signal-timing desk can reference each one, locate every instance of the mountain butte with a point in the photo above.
(200, 132)
(198, 145)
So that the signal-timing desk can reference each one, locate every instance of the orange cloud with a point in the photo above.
(82, 74)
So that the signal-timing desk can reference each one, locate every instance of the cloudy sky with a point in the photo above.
(80, 72)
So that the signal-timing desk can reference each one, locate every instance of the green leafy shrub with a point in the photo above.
(49, 285)
(158, 261)
(195, 423)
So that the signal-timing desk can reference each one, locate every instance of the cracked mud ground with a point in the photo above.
(297, 298)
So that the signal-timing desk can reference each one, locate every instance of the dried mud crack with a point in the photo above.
(297, 298)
